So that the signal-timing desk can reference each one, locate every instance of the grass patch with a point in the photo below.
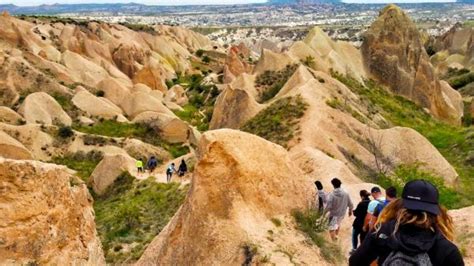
(454, 142)
(116, 129)
(337, 104)
(313, 224)
(198, 112)
(131, 213)
(195, 117)
(278, 123)
(83, 163)
(276, 222)
(269, 83)
(405, 173)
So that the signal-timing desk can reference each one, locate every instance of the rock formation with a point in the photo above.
(39, 107)
(47, 216)
(394, 54)
(109, 169)
(235, 192)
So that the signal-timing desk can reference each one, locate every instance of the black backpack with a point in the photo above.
(398, 258)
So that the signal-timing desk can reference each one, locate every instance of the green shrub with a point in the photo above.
(462, 80)
(453, 142)
(116, 129)
(133, 211)
(65, 132)
(83, 163)
(206, 59)
(405, 173)
(314, 224)
(278, 123)
(269, 83)
(199, 52)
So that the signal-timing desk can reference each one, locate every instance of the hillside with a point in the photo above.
(83, 101)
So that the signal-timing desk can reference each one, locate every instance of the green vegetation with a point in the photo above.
(139, 27)
(131, 213)
(276, 221)
(198, 112)
(269, 83)
(454, 142)
(278, 123)
(192, 115)
(461, 79)
(405, 173)
(65, 132)
(337, 104)
(313, 224)
(116, 129)
(83, 163)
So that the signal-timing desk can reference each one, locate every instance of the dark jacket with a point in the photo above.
(410, 240)
(359, 213)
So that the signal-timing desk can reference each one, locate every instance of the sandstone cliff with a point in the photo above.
(394, 54)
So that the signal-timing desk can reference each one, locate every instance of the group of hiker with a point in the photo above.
(152, 163)
(411, 230)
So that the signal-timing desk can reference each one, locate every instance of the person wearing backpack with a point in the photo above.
(169, 172)
(413, 230)
(320, 196)
(391, 194)
(370, 218)
(152, 164)
(359, 213)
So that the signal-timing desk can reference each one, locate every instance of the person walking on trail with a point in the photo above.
(338, 204)
(359, 213)
(378, 199)
(391, 194)
(152, 164)
(169, 172)
(412, 230)
(183, 168)
(320, 196)
(139, 165)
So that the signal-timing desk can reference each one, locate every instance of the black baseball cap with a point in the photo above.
(375, 190)
(421, 195)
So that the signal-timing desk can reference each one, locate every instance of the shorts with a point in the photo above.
(335, 222)
(140, 169)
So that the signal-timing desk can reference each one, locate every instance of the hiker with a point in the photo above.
(413, 230)
(183, 168)
(139, 165)
(337, 204)
(320, 196)
(152, 164)
(378, 198)
(169, 172)
(391, 195)
(359, 213)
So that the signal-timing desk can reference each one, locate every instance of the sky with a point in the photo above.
(183, 2)
(148, 2)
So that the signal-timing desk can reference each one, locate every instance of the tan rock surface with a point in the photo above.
(109, 169)
(464, 232)
(13, 149)
(39, 107)
(222, 216)
(9, 116)
(406, 71)
(96, 106)
(39, 143)
(139, 149)
(176, 94)
(45, 219)
(234, 106)
(272, 61)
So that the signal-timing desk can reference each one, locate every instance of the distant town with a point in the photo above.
(257, 22)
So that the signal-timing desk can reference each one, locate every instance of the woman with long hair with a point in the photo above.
(413, 230)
